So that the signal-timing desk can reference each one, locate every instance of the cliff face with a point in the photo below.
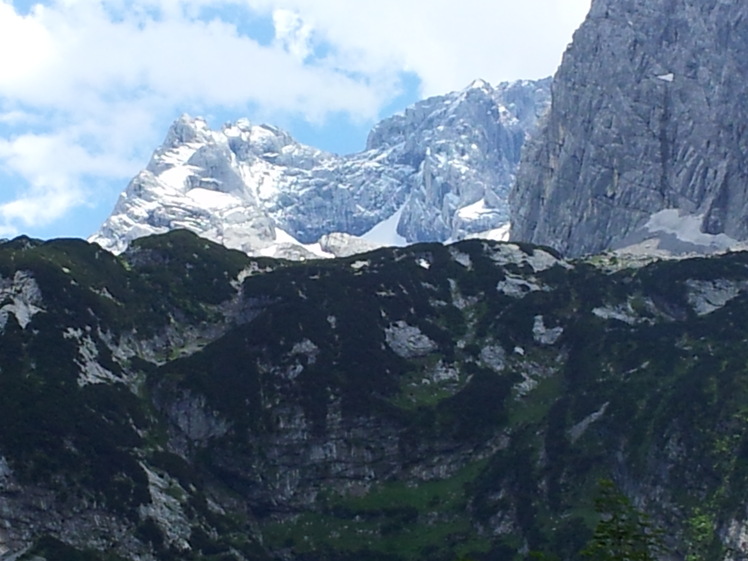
(649, 113)
(184, 401)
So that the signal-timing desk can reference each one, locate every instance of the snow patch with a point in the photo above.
(475, 211)
(687, 228)
(500, 234)
(339, 244)
(214, 200)
(281, 236)
(385, 233)
(176, 176)
(285, 246)
(423, 263)
(179, 155)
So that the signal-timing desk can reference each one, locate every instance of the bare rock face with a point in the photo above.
(649, 113)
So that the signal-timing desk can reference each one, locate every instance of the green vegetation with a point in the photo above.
(52, 549)
(292, 422)
(407, 521)
(623, 533)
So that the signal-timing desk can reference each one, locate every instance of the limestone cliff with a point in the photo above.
(649, 113)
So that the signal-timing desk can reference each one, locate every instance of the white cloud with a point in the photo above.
(16, 118)
(86, 86)
(179, 60)
(38, 206)
(446, 43)
(292, 33)
(54, 166)
(25, 45)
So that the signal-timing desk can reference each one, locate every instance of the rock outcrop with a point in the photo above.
(649, 113)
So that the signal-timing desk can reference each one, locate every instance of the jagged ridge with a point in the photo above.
(441, 170)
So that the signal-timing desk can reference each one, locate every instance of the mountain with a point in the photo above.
(441, 170)
(186, 401)
(646, 136)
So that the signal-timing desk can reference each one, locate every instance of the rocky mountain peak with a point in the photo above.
(441, 170)
(187, 129)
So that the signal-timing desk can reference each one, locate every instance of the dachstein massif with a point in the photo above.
(172, 390)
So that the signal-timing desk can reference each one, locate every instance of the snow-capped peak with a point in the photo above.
(480, 84)
(441, 170)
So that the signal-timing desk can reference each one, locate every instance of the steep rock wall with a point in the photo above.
(649, 113)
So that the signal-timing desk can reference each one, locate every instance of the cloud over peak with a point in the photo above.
(87, 87)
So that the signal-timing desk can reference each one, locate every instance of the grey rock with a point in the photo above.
(576, 432)
(517, 287)
(166, 510)
(408, 341)
(344, 245)
(493, 357)
(709, 296)
(21, 297)
(195, 420)
(545, 335)
(649, 113)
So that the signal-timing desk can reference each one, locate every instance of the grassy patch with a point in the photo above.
(418, 390)
(407, 520)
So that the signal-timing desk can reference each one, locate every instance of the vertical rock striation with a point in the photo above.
(649, 112)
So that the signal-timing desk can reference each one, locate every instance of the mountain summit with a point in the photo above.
(441, 170)
(647, 132)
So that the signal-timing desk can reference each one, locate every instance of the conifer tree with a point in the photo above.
(623, 533)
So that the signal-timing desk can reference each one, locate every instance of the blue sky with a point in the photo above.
(88, 88)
